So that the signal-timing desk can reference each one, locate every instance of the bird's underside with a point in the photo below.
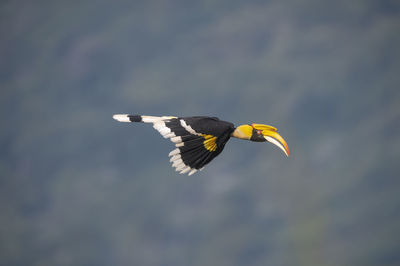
(198, 140)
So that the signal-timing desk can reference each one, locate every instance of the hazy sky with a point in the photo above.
(77, 188)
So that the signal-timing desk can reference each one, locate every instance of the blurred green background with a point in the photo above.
(78, 188)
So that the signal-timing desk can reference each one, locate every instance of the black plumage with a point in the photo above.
(194, 152)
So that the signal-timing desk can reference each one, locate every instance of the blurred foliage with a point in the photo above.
(77, 188)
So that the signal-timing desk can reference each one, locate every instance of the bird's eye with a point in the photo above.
(259, 132)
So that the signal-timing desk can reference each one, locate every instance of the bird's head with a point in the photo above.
(261, 133)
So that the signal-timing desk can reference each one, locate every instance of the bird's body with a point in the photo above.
(199, 139)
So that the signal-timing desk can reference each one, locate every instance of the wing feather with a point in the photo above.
(198, 140)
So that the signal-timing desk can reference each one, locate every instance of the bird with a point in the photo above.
(199, 139)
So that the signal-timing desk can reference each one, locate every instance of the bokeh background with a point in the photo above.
(78, 188)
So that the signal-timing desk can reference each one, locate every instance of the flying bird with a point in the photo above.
(199, 139)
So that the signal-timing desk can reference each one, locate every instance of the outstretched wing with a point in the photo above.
(198, 140)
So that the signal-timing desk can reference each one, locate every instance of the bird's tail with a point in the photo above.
(141, 118)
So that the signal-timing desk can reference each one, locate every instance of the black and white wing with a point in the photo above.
(198, 140)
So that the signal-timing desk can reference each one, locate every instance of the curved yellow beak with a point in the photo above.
(276, 139)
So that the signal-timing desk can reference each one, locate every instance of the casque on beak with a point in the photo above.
(276, 139)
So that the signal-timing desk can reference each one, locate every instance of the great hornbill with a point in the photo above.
(199, 139)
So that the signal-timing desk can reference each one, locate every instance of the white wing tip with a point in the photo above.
(121, 117)
(185, 170)
(192, 172)
(174, 152)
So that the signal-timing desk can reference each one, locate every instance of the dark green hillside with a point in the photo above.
(78, 188)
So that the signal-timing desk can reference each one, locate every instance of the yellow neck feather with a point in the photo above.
(243, 132)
